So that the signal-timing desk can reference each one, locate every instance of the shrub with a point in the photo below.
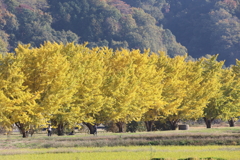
(112, 127)
(161, 125)
(132, 126)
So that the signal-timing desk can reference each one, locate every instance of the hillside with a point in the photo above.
(177, 27)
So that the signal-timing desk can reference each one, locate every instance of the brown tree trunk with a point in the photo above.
(174, 124)
(60, 129)
(208, 122)
(231, 122)
(120, 126)
(22, 129)
(90, 127)
(149, 125)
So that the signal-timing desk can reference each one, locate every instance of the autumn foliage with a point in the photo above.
(71, 84)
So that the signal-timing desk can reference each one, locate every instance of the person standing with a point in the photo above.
(95, 130)
(49, 130)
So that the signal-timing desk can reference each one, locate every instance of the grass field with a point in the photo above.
(194, 136)
(124, 153)
(125, 146)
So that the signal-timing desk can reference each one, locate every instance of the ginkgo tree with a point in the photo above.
(231, 92)
(68, 78)
(155, 86)
(186, 90)
(213, 74)
(18, 103)
(120, 87)
(66, 85)
(49, 73)
(174, 89)
(130, 85)
(149, 93)
(89, 100)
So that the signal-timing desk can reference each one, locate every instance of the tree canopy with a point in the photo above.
(68, 84)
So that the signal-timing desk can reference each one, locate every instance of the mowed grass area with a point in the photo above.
(197, 142)
(125, 153)
(193, 136)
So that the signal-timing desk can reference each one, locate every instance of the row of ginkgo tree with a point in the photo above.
(71, 84)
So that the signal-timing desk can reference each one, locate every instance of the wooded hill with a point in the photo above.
(174, 26)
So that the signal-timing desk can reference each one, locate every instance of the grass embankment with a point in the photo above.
(144, 145)
(194, 136)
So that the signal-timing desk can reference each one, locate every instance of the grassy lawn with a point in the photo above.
(197, 142)
(193, 136)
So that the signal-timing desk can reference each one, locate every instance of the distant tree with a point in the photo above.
(121, 5)
(206, 27)
(156, 8)
(8, 21)
(119, 44)
(3, 42)
(173, 48)
(11, 5)
(112, 21)
(98, 44)
(225, 36)
(25, 22)
(229, 5)
(36, 4)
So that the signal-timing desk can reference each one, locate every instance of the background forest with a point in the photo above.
(177, 27)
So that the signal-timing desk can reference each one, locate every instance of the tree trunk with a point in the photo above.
(60, 129)
(174, 124)
(22, 129)
(231, 122)
(208, 122)
(120, 126)
(149, 125)
(90, 127)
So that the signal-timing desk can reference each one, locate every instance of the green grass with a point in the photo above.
(192, 130)
(194, 136)
(222, 142)
(124, 153)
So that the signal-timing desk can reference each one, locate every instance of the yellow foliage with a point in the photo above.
(71, 84)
